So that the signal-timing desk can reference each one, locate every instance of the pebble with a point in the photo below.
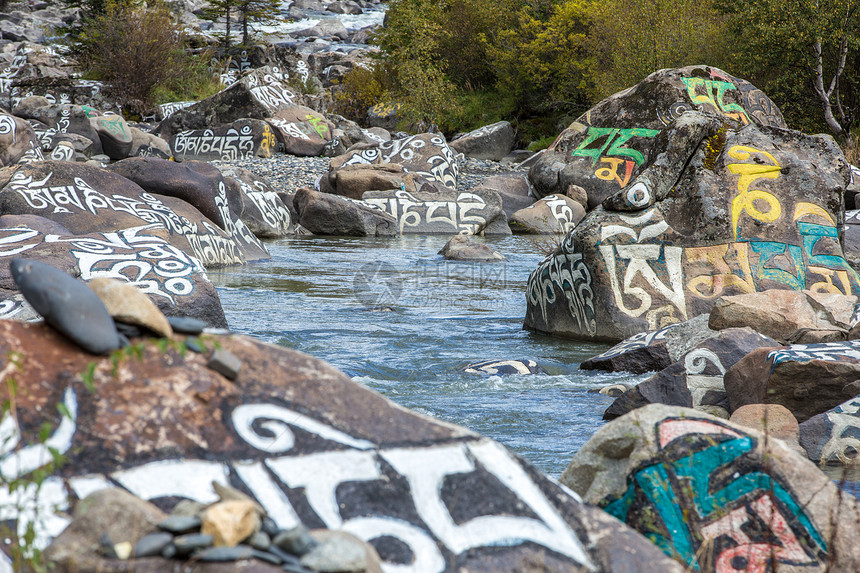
(260, 541)
(152, 544)
(297, 540)
(186, 324)
(225, 363)
(178, 524)
(187, 544)
(226, 553)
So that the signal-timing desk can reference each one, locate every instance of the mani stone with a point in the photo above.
(67, 304)
(225, 363)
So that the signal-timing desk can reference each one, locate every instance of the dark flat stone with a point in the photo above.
(67, 304)
(297, 540)
(188, 544)
(179, 524)
(152, 544)
(225, 363)
(267, 556)
(186, 324)
(226, 553)
(260, 541)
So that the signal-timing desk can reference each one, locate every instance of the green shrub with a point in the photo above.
(360, 89)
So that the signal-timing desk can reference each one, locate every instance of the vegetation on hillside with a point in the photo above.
(460, 64)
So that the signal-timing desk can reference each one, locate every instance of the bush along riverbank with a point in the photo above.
(689, 223)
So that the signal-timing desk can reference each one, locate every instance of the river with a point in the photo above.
(396, 317)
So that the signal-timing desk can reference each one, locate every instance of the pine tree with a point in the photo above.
(245, 12)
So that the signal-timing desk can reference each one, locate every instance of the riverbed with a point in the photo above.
(396, 317)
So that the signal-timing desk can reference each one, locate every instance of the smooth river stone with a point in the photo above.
(186, 324)
(67, 304)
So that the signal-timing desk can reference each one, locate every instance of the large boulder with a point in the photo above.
(327, 214)
(259, 94)
(304, 441)
(513, 188)
(426, 154)
(739, 211)
(808, 379)
(468, 212)
(257, 203)
(608, 146)
(301, 130)
(18, 142)
(142, 256)
(242, 139)
(551, 215)
(717, 496)
(833, 437)
(65, 119)
(695, 380)
(354, 180)
(492, 142)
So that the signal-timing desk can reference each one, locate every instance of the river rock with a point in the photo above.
(833, 437)
(18, 141)
(787, 316)
(472, 212)
(330, 451)
(491, 142)
(652, 350)
(551, 215)
(608, 146)
(462, 248)
(716, 496)
(114, 135)
(261, 208)
(700, 234)
(67, 304)
(426, 154)
(301, 130)
(696, 379)
(513, 188)
(354, 181)
(114, 512)
(127, 304)
(259, 94)
(242, 139)
(327, 214)
(808, 379)
(141, 256)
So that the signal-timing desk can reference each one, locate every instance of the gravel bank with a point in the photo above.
(288, 172)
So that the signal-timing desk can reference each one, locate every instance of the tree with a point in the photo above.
(247, 13)
(630, 39)
(799, 52)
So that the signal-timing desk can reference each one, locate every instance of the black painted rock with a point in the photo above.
(503, 367)
(653, 350)
(808, 379)
(327, 214)
(475, 212)
(426, 154)
(67, 304)
(301, 130)
(696, 379)
(717, 496)
(551, 215)
(242, 139)
(18, 141)
(141, 256)
(607, 147)
(492, 142)
(257, 204)
(833, 437)
(740, 211)
(258, 95)
(329, 453)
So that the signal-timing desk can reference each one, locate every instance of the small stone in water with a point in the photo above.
(186, 324)
(225, 363)
(226, 553)
(296, 540)
(179, 524)
(152, 544)
(187, 544)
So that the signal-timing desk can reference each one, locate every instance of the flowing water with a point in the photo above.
(397, 318)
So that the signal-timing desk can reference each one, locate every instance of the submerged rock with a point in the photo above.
(462, 248)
